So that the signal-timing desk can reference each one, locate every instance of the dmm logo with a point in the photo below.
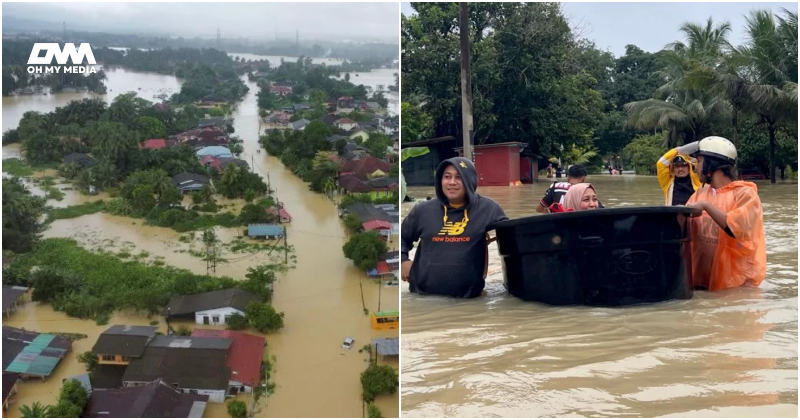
(77, 56)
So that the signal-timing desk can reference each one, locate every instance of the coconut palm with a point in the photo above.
(770, 59)
(36, 410)
(683, 123)
(576, 155)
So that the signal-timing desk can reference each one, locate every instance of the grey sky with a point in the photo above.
(650, 26)
(372, 21)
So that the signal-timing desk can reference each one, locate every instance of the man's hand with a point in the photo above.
(702, 205)
(405, 269)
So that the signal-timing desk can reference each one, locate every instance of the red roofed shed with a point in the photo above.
(245, 354)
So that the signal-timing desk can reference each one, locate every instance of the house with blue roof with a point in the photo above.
(266, 231)
(215, 151)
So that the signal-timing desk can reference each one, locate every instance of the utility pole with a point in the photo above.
(466, 82)
(210, 239)
(285, 247)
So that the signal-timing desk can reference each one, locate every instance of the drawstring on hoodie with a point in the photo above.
(464, 220)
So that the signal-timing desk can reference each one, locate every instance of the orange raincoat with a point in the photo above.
(719, 261)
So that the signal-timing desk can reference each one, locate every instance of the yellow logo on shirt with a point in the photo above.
(454, 229)
(463, 165)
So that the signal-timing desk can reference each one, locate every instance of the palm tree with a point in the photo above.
(36, 410)
(683, 123)
(106, 173)
(576, 155)
(770, 56)
(684, 105)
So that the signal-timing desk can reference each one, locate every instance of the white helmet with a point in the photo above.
(718, 147)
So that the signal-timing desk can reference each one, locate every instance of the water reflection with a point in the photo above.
(728, 353)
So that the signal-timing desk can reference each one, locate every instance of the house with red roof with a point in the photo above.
(281, 90)
(244, 358)
(156, 144)
(281, 213)
(345, 124)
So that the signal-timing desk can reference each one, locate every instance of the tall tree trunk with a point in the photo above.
(772, 153)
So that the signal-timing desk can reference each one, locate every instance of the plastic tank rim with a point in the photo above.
(598, 212)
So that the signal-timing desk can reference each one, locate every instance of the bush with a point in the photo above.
(237, 322)
(70, 212)
(378, 380)
(373, 412)
(73, 392)
(237, 409)
(353, 223)
(88, 359)
(263, 317)
(183, 331)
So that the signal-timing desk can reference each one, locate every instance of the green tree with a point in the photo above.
(263, 317)
(364, 249)
(22, 214)
(64, 410)
(643, 153)
(352, 223)
(150, 127)
(73, 392)
(88, 359)
(237, 322)
(237, 409)
(416, 124)
(378, 380)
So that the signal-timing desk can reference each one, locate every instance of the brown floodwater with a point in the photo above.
(321, 297)
(723, 354)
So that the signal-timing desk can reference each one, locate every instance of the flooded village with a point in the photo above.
(225, 240)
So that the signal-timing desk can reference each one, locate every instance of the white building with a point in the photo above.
(211, 308)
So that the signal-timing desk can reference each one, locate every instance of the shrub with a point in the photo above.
(237, 409)
(237, 322)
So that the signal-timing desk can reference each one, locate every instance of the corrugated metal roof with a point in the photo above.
(217, 151)
(264, 230)
(387, 346)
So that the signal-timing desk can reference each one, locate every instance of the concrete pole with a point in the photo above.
(466, 81)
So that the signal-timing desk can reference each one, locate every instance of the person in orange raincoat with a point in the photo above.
(728, 245)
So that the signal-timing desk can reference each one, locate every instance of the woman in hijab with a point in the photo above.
(581, 197)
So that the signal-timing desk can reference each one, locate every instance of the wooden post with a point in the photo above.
(466, 81)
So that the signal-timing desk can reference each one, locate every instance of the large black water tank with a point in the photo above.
(604, 257)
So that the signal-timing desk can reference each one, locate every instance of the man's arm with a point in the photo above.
(408, 235)
(546, 201)
(718, 216)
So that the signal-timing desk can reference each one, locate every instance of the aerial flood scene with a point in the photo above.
(635, 168)
(204, 221)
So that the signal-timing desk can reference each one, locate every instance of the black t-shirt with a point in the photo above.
(682, 190)
(555, 194)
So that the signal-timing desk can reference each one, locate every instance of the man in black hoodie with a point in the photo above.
(451, 257)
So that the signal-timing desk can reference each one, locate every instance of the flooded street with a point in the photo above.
(321, 297)
(731, 353)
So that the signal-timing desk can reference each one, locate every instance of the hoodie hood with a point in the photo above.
(468, 175)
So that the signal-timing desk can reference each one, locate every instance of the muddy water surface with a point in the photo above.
(321, 297)
(731, 353)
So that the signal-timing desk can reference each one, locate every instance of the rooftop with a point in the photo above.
(233, 297)
(124, 340)
(153, 400)
(187, 362)
(11, 294)
(387, 346)
(245, 356)
(32, 353)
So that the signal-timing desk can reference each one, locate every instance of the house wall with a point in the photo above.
(118, 360)
(220, 312)
(236, 384)
(497, 166)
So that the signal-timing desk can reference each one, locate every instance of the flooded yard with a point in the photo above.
(730, 353)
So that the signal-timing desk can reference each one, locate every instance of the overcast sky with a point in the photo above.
(256, 20)
(650, 26)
